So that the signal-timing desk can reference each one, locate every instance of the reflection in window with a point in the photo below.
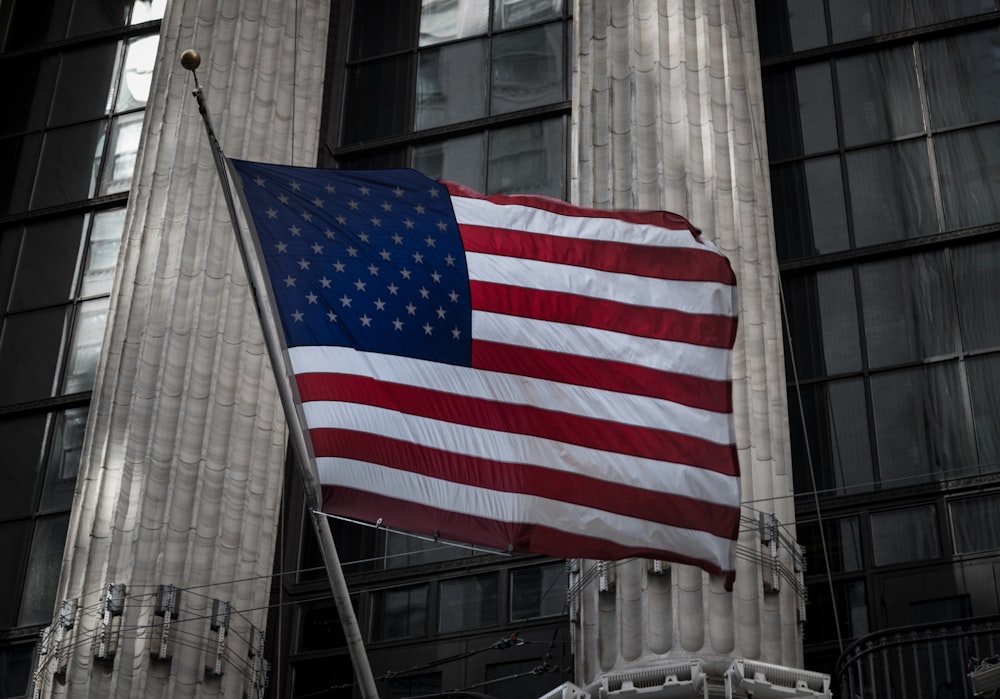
(444, 20)
(843, 545)
(977, 282)
(809, 214)
(901, 536)
(823, 324)
(46, 263)
(920, 425)
(909, 309)
(984, 384)
(467, 603)
(537, 591)
(137, 78)
(147, 10)
(400, 613)
(528, 158)
(836, 424)
(119, 166)
(961, 77)
(451, 84)
(856, 19)
(527, 69)
(456, 159)
(39, 592)
(969, 167)
(405, 550)
(786, 26)
(63, 462)
(878, 96)
(102, 253)
(800, 113)
(976, 523)
(892, 195)
(515, 13)
(85, 348)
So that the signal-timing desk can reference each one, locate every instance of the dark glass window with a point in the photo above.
(813, 220)
(969, 167)
(843, 545)
(18, 162)
(84, 84)
(413, 685)
(921, 429)
(447, 20)
(36, 22)
(372, 35)
(63, 462)
(823, 324)
(933, 11)
(39, 592)
(457, 159)
(29, 351)
(451, 84)
(909, 309)
(320, 627)
(91, 16)
(67, 169)
(977, 283)
(852, 611)
(15, 669)
(856, 19)
(329, 678)
(878, 96)
(519, 679)
(537, 591)
(47, 263)
(467, 603)
(21, 446)
(976, 523)
(508, 14)
(835, 421)
(961, 73)
(400, 613)
(786, 26)
(800, 113)
(905, 535)
(374, 108)
(984, 384)
(31, 77)
(528, 159)
(892, 193)
(527, 69)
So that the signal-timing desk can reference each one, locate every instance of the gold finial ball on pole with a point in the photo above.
(191, 59)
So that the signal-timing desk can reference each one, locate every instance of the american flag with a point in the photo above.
(507, 371)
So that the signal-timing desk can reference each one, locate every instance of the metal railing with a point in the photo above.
(930, 661)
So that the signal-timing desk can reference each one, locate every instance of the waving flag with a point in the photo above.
(508, 371)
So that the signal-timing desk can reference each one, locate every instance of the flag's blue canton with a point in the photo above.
(365, 259)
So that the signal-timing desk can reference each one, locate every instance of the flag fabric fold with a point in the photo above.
(508, 371)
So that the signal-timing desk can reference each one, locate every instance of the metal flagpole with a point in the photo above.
(190, 60)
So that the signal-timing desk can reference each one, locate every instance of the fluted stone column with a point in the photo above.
(668, 114)
(181, 478)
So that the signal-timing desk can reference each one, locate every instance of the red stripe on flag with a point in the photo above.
(604, 374)
(665, 508)
(505, 536)
(520, 419)
(560, 307)
(680, 264)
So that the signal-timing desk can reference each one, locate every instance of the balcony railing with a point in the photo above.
(917, 662)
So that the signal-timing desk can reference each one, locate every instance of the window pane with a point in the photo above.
(528, 159)
(901, 536)
(855, 19)
(878, 96)
(325, 678)
(29, 351)
(843, 545)
(31, 78)
(984, 383)
(14, 540)
(977, 281)
(920, 424)
(102, 253)
(18, 160)
(147, 11)
(21, 446)
(836, 424)
(400, 613)
(63, 462)
(39, 592)
(538, 591)
(47, 263)
(852, 611)
(809, 214)
(97, 15)
(451, 84)
(527, 69)
(969, 166)
(84, 84)
(800, 113)
(85, 348)
(909, 310)
(373, 109)
(892, 196)
(372, 35)
(976, 523)
(934, 11)
(405, 550)
(515, 13)
(15, 669)
(68, 166)
(140, 56)
(320, 627)
(962, 78)
(823, 324)
(444, 20)
(467, 603)
(786, 26)
(457, 160)
(120, 164)
(36, 22)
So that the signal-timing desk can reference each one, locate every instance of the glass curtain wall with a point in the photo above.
(75, 77)
(883, 127)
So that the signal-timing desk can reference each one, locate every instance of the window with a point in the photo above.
(467, 603)
(976, 523)
(904, 535)
(537, 591)
(399, 613)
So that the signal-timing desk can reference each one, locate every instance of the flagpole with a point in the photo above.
(190, 60)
